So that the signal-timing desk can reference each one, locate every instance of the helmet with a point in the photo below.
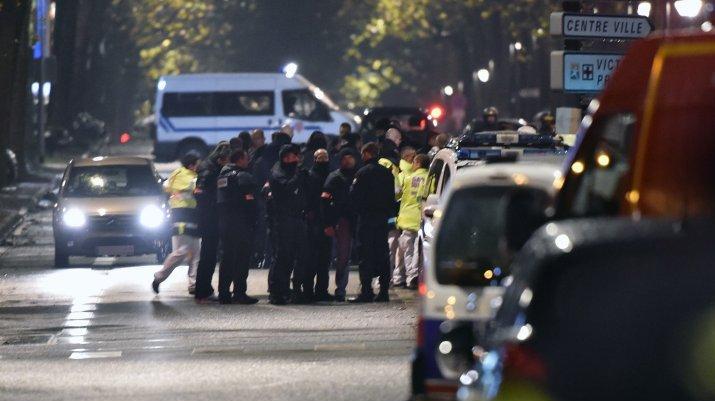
(544, 121)
(490, 111)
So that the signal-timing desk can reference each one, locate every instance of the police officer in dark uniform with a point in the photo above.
(318, 251)
(238, 214)
(205, 196)
(287, 219)
(373, 198)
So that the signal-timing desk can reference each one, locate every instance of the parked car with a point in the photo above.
(471, 257)
(110, 206)
(646, 146)
(603, 309)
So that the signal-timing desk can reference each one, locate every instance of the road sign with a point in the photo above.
(582, 72)
(597, 26)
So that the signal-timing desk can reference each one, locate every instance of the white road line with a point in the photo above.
(96, 355)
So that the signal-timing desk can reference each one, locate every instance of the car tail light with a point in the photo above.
(521, 361)
(125, 137)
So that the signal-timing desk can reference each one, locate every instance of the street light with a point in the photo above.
(707, 26)
(644, 8)
(518, 46)
(483, 75)
(688, 8)
(448, 90)
(290, 69)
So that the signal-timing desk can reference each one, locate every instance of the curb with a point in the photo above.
(16, 215)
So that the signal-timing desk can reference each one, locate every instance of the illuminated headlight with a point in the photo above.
(74, 218)
(151, 217)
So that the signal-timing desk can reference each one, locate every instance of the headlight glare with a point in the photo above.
(74, 218)
(151, 217)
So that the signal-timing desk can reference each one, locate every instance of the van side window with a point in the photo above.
(187, 104)
(598, 189)
(244, 103)
(303, 105)
(433, 176)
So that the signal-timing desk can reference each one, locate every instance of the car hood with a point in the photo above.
(111, 205)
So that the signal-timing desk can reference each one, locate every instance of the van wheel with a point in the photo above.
(62, 258)
(199, 148)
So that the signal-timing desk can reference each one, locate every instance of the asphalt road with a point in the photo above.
(97, 331)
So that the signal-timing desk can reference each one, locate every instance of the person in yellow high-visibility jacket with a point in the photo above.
(185, 237)
(414, 192)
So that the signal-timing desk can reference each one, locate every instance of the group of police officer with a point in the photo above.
(306, 208)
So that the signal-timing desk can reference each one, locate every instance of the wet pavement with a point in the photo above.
(97, 331)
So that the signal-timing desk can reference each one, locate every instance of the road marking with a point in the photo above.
(104, 261)
(96, 355)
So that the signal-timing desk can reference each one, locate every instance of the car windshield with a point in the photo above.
(473, 246)
(107, 181)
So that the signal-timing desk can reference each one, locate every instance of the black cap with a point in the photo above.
(289, 148)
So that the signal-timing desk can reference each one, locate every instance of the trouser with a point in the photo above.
(375, 257)
(209, 248)
(317, 261)
(393, 244)
(261, 245)
(237, 246)
(343, 244)
(183, 248)
(407, 269)
(289, 242)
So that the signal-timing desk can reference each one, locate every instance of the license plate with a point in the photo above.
(121, 250)
(507, 139)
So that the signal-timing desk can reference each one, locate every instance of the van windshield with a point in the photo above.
(110, 181)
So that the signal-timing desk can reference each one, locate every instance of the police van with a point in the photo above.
(194, 112)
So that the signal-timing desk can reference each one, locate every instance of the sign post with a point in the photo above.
(582, 72)
(597, 26)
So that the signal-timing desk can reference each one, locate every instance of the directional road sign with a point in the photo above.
(598, 26)
(582, 72)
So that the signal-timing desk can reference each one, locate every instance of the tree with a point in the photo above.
(403, 45)
(14, 64)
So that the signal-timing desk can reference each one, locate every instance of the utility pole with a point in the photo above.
(43, 89)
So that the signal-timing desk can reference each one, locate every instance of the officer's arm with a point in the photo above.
(327, 203)
(357, 193)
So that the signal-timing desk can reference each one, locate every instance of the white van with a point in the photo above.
(195, 111)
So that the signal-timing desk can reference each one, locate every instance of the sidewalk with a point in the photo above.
(17, 200)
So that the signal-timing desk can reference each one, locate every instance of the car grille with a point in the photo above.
(114, 223)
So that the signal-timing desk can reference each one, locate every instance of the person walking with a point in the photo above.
(373, 197)
(414, 192)
(318, 251)
(286, 186)
(185, 238)
(339, 217)
(238, 213)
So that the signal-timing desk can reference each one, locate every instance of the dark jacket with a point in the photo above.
(287, 191)
(236, 195)
(373, 194)
(314, 189)
(336, 197)
(206, 184)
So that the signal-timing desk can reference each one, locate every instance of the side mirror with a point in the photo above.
(430, 205)
(48, 200)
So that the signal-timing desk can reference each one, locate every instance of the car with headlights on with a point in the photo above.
(110, 206)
